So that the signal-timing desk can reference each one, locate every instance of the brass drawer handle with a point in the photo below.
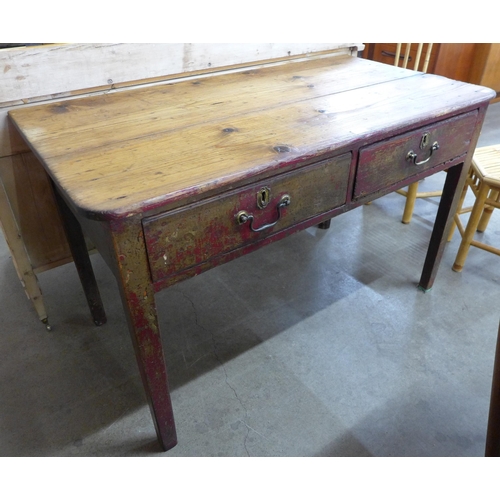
(411, 156)
(242, 217)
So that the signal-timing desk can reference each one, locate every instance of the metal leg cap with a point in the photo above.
(46, 323)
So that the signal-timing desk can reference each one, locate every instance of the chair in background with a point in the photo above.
(425, 49)
(484, 181)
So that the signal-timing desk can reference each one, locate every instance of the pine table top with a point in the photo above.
(124, 153)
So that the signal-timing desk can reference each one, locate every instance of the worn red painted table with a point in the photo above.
(173, 179)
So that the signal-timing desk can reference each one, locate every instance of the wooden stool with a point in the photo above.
(484, 181)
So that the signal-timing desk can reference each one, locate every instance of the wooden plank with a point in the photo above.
(88, 68)
(10, 141)
(20, 256)
(490, 74)
(32, 205)
(455, 60)
(115, 115)
(29, 72)
(210, 151)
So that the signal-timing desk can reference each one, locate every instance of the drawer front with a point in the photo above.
(390, 162)
(187, 237)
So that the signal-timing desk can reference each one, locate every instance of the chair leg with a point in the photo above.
(411, 196)
(485, 219)
(471, 227)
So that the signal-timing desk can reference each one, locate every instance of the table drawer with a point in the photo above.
(388, 162)
(187, 237)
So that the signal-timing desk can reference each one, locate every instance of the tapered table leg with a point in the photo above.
(455, 179)
(138, 299)
(80, 255)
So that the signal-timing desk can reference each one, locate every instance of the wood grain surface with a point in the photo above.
(126, 153)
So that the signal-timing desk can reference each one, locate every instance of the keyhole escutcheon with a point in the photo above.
(263, 197)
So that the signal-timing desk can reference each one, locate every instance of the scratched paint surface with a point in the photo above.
(385, 163)
(140, 309)
(185, 238)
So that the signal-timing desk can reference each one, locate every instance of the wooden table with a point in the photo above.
(173, 179)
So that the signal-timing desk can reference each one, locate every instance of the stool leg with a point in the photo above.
(485, 219)
(411, 196)
(493, 433)
(487, 212)
(470, 229)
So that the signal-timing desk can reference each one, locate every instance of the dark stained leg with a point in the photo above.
(493, 434)
(81, 258)
(325, 225)
(139, 304)
(453, 186)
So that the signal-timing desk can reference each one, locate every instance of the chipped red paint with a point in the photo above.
(207, 231)
(385, 163)
(138, 311)
(140, 308)
(193, 227)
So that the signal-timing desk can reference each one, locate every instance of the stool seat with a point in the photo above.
(484, 181)
(486, 162)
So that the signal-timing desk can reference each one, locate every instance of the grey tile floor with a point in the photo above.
(318, 345)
